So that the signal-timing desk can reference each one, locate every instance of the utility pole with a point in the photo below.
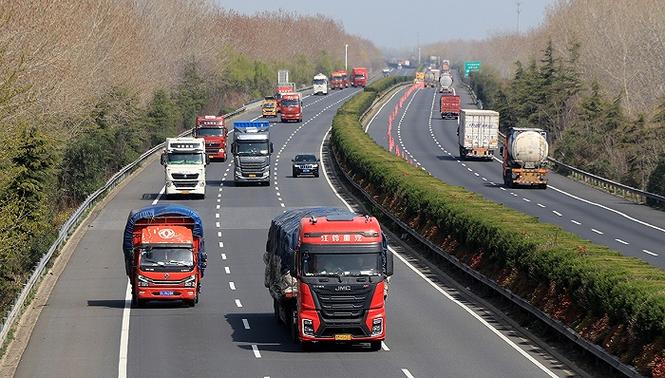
(518, 15)
(346, 57)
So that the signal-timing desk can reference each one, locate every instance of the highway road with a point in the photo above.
(89, 329)
(431, 143)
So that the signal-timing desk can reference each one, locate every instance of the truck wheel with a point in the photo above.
(542, 186)
(462, 154)
(375, 346)
(307, 346)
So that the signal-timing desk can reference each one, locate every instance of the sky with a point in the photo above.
(400, 24)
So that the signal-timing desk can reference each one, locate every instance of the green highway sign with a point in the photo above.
(472, 65)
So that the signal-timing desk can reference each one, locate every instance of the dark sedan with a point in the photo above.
(305, 164)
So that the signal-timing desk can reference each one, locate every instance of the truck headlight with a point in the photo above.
(142, 281)
(202, 183)
(307, 327)
(221, 150)
(377, 326)
(190, 281)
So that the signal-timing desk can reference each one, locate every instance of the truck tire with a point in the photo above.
(307, 346)
(275, 309)
(375, 346)
(462, 154)
(542, 186)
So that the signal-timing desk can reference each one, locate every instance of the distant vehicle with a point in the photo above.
(386, 72)
(251, 152)
(305, 164)
(446, 83)
(359, 76)
(450, 106)
(184, 161)
(211, 128)
(420, 77)
(339, 79)
(269, 107)
(525, 157)
(437, 75)
(445, 66)
(320, 84)
(283, 88)
(291, 107)
(478, 133)
(399, 66)
(327, 271)
(164, 255)
(429, 79)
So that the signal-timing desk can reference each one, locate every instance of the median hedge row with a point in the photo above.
(619, 296)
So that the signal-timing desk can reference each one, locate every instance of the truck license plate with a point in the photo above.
(343, 337)
(166, 293)
(252, 175)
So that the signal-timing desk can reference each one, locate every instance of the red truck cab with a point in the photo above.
(339, 266)
(359, 76)
(212, 130)
(291, 107)
(280, 90)
(339, 79)
(164, 254)
(450, 106)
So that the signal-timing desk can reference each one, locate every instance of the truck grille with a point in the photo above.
(252, 167)
(185, 176)
(185, 183)
(212, 145)
(343, 306)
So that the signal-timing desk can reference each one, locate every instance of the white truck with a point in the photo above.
(446, 83)
(320, 84)
(184, 161)
(478, 133)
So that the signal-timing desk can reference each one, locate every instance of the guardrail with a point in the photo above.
(74, 220)
(605, 184)
(563, 329)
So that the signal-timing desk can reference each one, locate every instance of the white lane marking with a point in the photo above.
(282, 205)
(221, 244)
(218, 206)
(407, 373)
(124, 332)
(502, 188)
(526, 199)
(541, 205)
(608, 209)
(255, 348)
(223, 256)
(484, 179)
(217, 215)
(227, 270)
(469, 169)
(219, 234)
(232, 285)
(622, 241)
(218, 225)
(476, 173)
(557, 213)
(576, 222)
(435, 286)
(649, 252)
(238, 303)
(159, 195)
(598, 232)
(219, 200)
(245, 323)
(384, 346)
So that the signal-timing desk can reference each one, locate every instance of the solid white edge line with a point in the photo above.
(384, 346)
(124, 332)
(435, 286)
(381, 108)
(407, 373)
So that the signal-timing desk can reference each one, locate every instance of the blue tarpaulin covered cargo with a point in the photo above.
(159, 211)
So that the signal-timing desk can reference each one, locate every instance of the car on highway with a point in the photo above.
(305, 164)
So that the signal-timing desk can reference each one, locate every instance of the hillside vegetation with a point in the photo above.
(87, 85)
(591, 75)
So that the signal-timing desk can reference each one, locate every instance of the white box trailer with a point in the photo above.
(478, 133)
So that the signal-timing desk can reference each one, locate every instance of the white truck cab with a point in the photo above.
(184, 161)
(320, 84)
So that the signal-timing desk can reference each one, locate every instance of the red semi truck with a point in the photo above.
(164, 254)
(450, 106)
(291, 107)
(281, 89)
(359, 76)
(212, 130)
(339, 79)
(327, 270)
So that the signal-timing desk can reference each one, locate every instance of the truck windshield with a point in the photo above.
(360, 76)
(210, 131)
(167, 257)
(184, 158)
(252, 148)
(319, 81)
(290, 102)
(338, 77)
(269, 105)
(345, 264)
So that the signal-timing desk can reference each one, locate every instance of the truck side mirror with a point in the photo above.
(389, 263)
(234, 148)
(272, 148)
(207, 159)
(162, 159)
